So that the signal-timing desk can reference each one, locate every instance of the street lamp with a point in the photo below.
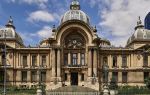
(39, 90)
(5, 62)
(105, 73)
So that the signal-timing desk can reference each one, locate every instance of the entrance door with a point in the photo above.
(74, 78)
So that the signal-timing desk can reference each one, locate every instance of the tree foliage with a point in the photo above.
(147, 82)
(113, 84)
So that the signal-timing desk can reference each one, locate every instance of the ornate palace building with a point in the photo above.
(74, 55)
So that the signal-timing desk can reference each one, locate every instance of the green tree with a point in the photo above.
(147, 82)
(113, 84)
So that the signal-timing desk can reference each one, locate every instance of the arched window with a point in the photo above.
(114, 61)
(145, 60)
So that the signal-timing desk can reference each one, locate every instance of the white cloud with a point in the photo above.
(40, 3)
(45, 32)
(41, 15)
(29, 37)
(120, 17)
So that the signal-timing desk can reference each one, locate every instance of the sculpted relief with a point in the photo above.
(74, 41)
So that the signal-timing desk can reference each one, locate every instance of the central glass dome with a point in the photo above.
(75, 13)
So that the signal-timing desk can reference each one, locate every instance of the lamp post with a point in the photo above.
(105, 73)
(39, 90)
(5, 62)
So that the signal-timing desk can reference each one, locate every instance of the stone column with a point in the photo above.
(28, 76)
(58, 63)
(29, 60)
(69, 58)
(128, 63)
(132, 60)
(109, 61)
(89, 64)
(119, 77)
(148, 60)
(53, 64)
(38, 60)
(95, 63)
(1, 60)
(79, 61)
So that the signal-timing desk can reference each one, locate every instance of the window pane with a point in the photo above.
(33, 76)
(65, 76)
(114, 61)
(1, 76)
(3, 59)
(146, 75)
(82, 77)
(105, 60)
(145, 60)
(82, 59)
(43, 76)
(34, 60)
(65, 58)
(124, 77)
(74, 59)
(24, 60)
(124, 60)
(44, 60)
(115, 75)
(24, 76)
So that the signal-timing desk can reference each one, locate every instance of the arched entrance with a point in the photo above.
(74, 78)
(74, 51)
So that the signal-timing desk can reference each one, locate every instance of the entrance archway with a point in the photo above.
(74, 78)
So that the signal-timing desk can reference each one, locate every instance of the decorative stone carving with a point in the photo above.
(74, 42)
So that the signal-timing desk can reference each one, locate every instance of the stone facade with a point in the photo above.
(74, 55)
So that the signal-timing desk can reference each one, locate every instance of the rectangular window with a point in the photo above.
(124, 60)
(0, 60)
(82, 77)
(145, 60)
(24, 59)
(43, 60)
(105, 60)
(1, 76)
(124, 77)
(114, 61)
(24, 76)
(82, 59)
(43, 76)
(74, 59)
(33, 76)
(115, 75)
(34, 60)
(65, 76)
(3, 58)
(66, 59)
(146, 75)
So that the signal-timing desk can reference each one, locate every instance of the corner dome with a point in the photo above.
(140, 33)
(75, 13)
(9, 32)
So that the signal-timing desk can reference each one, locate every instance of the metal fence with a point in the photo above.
(73, 93)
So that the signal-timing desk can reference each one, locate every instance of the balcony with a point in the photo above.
(75, 66)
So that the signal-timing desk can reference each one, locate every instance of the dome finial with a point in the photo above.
(54, 28)
(95, 29)
(10, 23)
(75, 5)
(139, 24)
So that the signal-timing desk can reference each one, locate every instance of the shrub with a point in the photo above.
(147, 82)
(113, 84)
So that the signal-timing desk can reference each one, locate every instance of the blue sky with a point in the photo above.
(115, 19)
